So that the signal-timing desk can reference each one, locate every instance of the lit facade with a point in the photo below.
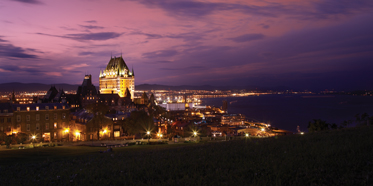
(117, 78)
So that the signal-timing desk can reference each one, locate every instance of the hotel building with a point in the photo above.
(117, 78)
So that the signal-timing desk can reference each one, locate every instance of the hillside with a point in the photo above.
(338, 157)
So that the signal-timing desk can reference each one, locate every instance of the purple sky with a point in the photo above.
(321, 44)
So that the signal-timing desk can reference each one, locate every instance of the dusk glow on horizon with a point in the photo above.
(316, 44)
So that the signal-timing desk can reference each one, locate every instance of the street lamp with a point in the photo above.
(33, 138)
(67, 132)
(148, 133)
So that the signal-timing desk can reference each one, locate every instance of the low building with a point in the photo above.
(233, 119)
(45, 121)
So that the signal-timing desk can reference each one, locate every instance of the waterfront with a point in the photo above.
(288, 111)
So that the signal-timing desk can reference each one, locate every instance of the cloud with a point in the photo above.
(200, 9)
(160, 53)
(91, 21)
(9, 50)
(313, 10)
(247, 37)
(100, 36)
(265, 26)
(160, 62)
(197, 67)
(149, 36)
(29, 1)
(191, 36)
(86, 53)
(91, 27)
(71, 67)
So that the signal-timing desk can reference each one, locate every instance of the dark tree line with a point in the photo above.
(320, 125)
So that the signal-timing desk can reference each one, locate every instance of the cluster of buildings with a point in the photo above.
(58, 116)
(62, 116)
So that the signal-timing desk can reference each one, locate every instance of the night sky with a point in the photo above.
(315, 44)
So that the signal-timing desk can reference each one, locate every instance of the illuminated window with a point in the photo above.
(37, 108)
(55, 135)
(64, 107)
(55, 107)
(47, 126)
(37, 126)
(55, 125)
(116, 134)
(28, 108)
(37, 117)
(27, 117)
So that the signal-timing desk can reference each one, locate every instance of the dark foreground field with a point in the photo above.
(343, 157)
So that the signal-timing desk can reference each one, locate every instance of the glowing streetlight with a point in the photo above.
(302, 133)
(148, 133)
(263, 129)
(33, 138)
(195, 134)
(247, 134)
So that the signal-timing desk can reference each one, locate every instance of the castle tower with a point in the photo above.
(116, 78)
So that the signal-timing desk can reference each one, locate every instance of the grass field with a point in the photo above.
(341, 157)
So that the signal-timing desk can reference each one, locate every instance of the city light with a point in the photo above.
(263, 129)
(247, 134)
(302, 133)
(66, 130)
(33, 137)
(148, 132)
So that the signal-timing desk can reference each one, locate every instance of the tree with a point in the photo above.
(139, 123)
(317, 125)
(98, 110)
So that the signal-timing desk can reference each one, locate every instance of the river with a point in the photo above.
(289, 111)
